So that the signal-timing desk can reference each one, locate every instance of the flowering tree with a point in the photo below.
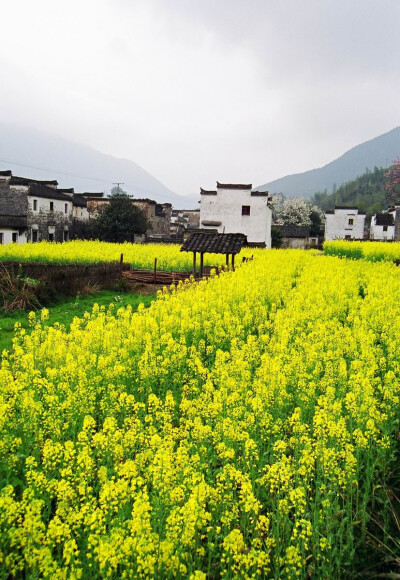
(392, 183)
(294, 211)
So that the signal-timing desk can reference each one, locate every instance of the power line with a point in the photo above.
(54, 171)
(98, 180)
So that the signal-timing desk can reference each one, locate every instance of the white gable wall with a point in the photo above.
(338, 224)
(224, 211)
(378, 232)
(80, 213)
(6, 236)
(43, 204)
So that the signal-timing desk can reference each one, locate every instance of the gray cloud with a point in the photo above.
(195, 90)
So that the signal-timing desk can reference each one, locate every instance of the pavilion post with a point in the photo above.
(201, 263)
(227, 260)
(194, 264)
(233, 262)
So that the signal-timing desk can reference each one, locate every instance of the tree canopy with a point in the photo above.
(120, 220)
(296, 211)
(366, 192)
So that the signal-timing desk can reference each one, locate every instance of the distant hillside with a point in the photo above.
(39, 155)
(366, 192)
(378, 152)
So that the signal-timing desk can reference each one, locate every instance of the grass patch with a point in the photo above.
(65, 311)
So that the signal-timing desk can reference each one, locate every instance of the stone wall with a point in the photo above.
(162, 220)
(68, 280)
(49, 225)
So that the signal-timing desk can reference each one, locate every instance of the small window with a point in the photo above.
(35, 205)
(347, 237)
(34, 235)
(245, 210)
(15, 237)
(52, 206)
(1, 238)
(51, 237)
(66, 208)
(351, 221)
(385, 228)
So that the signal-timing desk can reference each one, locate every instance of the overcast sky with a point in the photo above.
(196, 91)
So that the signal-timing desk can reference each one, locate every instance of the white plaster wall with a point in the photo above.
(7, 236)
(294, 243)
(337, 225)
(226, 207)
(43, 204)
(80, 213)
(377, 232)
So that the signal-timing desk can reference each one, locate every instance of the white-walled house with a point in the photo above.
(382, 226)
(33, 210)
(345, 223)
(235, 208)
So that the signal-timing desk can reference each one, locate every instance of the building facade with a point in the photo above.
(158, 216)
(294, 237)
(383, 226)
(33, 210)
(235, 208)
(344, 223)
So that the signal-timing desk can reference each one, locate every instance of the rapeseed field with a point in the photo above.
(141, 256)
(239, 427)
(371, 251)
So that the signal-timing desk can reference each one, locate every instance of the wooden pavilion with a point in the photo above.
(207, 243)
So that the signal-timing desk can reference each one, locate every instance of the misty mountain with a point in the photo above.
(378, 152)
(31, 153)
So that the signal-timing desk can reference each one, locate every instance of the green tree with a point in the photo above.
(120, 220)
(276, 238)
(316, 217)
(117, 189)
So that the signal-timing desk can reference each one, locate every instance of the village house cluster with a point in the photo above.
(348, 223)
(33, 210)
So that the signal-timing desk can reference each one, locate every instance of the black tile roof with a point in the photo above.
(348, 208)
(384, 219)
(41, 190)
(144, 200)
(260, 193)
(207, 231)
(79, 200)
(13, 221)
(233, 186)
(208, 191)
(214, 243)
(292, 231)
(6, 173)
(89, 194)
(15, 180)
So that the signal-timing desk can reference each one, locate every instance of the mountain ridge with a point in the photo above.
(34, 153)
(379, 151)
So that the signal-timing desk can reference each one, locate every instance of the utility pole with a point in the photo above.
(118, 183)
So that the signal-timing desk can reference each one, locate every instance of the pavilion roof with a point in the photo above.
(207, 243)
